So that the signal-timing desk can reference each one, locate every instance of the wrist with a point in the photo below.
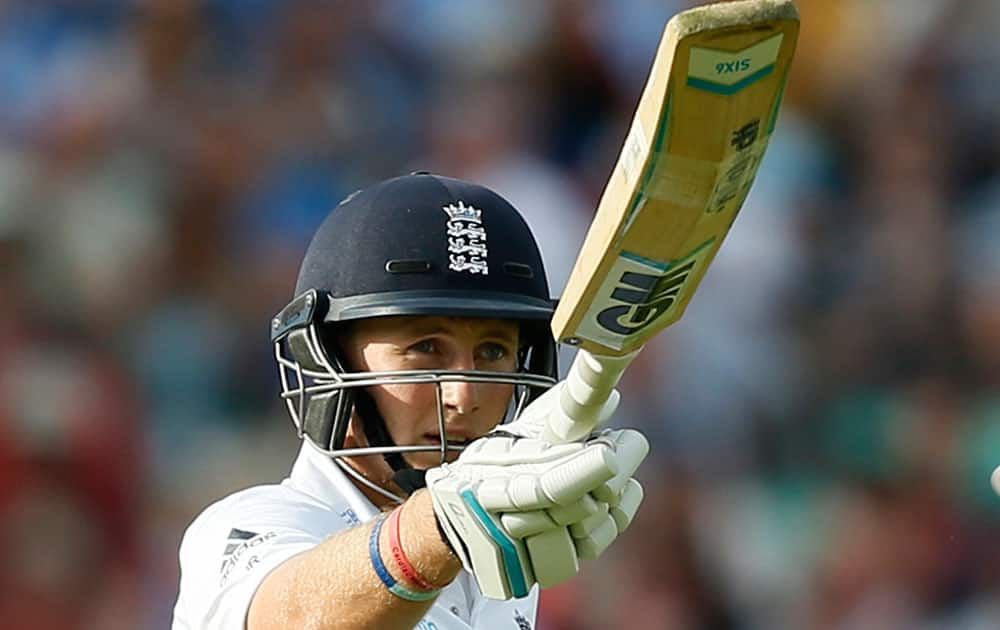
(444, 537)
(392, 584)
(421, 531)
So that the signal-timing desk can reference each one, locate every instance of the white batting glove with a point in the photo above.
(535, 417)
(520, 511)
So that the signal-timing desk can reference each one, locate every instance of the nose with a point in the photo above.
(460, 397)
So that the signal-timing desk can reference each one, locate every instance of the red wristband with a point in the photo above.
(407, 569)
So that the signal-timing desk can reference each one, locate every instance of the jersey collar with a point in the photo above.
(317, 475)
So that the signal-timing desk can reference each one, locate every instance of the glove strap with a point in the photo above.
(447, 541)
(396, 547)
(383, 574)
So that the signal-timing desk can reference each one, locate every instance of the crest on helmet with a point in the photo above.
(466, 239)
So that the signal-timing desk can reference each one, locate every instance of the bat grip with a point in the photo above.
(590, 382)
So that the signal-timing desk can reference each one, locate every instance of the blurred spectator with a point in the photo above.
(824, 419)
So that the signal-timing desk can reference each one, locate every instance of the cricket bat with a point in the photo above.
(699, 133)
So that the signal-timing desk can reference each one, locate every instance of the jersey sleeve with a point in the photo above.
(231, 547)
(512, 614)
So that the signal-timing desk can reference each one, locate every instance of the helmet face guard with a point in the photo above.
(321, 396)
(473, 256)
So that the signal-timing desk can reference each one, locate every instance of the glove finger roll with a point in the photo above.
(604, 494)
(597, 540)
(628, 505)
(553, 556)
(567, 482)
(632, 447)
(575, 512)
(524, 524)
(521, 493)
(583, 528)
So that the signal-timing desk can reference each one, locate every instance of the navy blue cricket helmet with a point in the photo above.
(419, 244)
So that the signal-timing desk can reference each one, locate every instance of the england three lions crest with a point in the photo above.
(466, 239)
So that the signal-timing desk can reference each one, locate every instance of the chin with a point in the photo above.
(429, 459)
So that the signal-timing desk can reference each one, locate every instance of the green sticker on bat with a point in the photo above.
(725, 72)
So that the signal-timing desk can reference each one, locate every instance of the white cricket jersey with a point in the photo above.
(231, 546)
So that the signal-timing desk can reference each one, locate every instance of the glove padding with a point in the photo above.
(520, 511)
(539, 414)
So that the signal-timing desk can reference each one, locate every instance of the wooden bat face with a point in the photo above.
(688, 162)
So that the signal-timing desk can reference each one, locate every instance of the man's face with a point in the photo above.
(435, 343)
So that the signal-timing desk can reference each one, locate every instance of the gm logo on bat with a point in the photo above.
(639, 296)
(643, 297)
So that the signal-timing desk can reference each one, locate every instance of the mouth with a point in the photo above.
(455, 440)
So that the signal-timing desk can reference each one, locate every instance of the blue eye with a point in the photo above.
(422, 347)
(493, 352)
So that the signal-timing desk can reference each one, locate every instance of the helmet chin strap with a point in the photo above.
(376, 431)
(408, 478)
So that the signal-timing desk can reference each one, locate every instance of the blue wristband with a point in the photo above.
(383, 574)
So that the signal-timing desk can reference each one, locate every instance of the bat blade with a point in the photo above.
(690, 157)
(698, 136)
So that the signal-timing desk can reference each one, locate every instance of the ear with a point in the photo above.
(355, 436)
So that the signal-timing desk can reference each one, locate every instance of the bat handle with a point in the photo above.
(590, 382)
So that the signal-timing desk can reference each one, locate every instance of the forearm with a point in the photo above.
(334, 587)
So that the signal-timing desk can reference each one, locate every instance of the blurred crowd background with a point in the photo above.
(824, 419)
